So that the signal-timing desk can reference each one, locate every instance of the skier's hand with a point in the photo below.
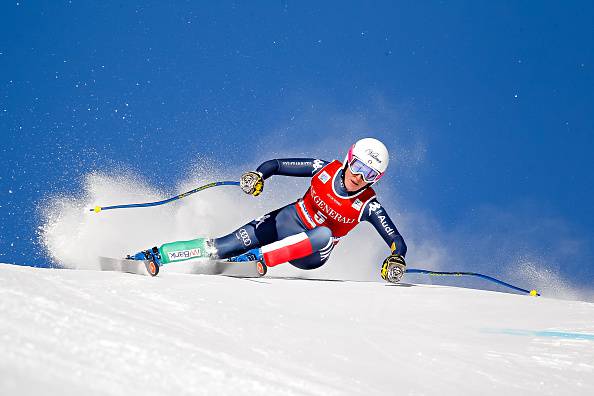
(252, 183)
(393, 268)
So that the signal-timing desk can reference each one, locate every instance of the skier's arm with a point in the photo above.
(297, 167)
(253, 182)
(374, 213)
(394, 266)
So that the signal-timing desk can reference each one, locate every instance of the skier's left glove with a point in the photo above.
(393, 268)
(252, 183)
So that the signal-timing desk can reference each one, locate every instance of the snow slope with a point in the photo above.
(73, 332)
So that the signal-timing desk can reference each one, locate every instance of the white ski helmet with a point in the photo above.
(369, 158)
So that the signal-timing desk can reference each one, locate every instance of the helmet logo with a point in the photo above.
(373, 155)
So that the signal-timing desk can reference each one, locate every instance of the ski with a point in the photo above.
(138, 267)
(241, 269)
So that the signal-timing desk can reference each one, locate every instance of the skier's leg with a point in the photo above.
(280, 233)
(282, 237)
(316, 259)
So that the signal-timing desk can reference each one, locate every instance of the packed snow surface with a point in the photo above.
(82, 332)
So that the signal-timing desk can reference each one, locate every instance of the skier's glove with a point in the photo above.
(393, 268)
(252, 183)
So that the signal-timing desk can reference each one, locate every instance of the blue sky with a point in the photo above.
(487, 106)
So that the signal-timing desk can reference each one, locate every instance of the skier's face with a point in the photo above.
(353, 182)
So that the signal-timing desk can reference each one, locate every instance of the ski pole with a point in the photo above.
(98, 209)
(532, 292)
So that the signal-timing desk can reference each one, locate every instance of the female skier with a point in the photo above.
(304, 233)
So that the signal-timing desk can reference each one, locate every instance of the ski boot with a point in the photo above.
(252, 255)
(151, 258)
(393, 268)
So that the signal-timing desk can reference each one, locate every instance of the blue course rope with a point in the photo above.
(489, 278)
(98, 209)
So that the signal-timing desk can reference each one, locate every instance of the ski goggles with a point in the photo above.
(358, 167)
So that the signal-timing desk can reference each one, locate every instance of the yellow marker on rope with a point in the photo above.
(533, 293)
(97, 209)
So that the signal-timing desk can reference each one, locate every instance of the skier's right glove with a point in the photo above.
(393, 268)
(252, 183)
